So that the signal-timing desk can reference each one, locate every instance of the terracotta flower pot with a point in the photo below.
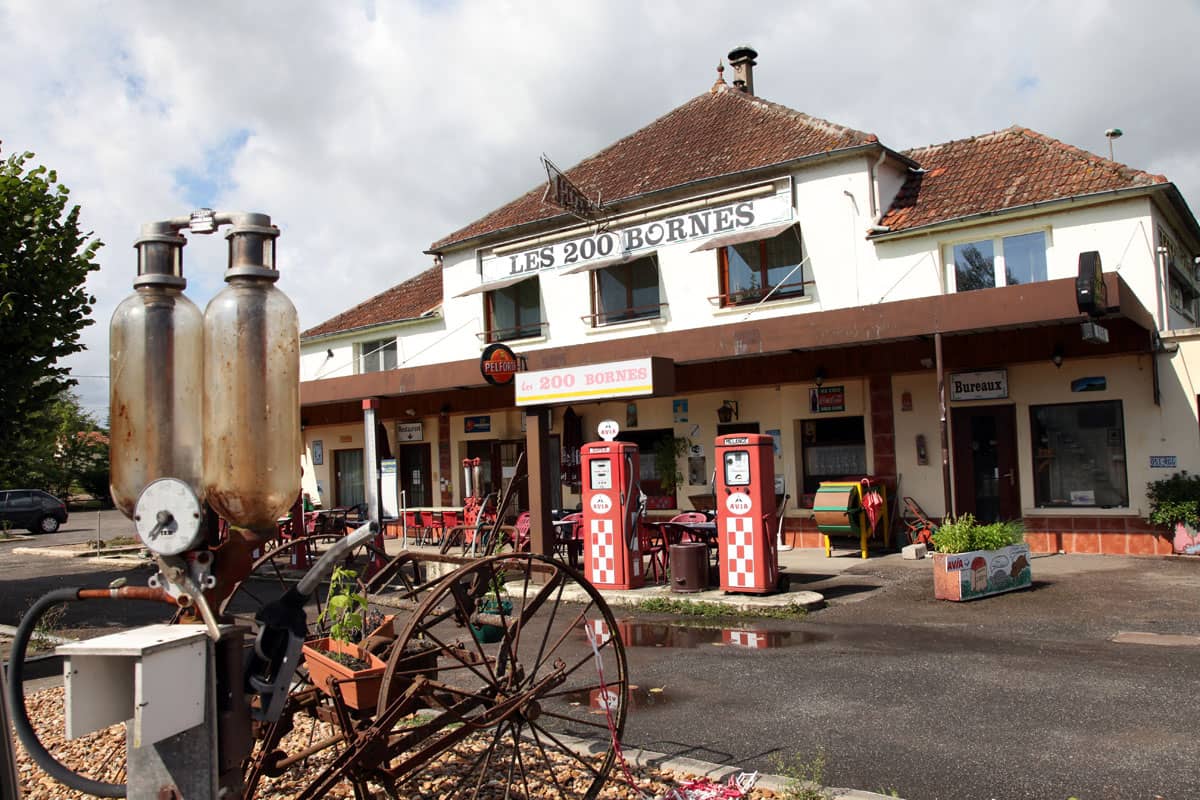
(360, 688)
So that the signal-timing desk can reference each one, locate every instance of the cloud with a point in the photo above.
(369, 130)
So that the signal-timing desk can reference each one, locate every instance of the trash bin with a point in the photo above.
(689, 567)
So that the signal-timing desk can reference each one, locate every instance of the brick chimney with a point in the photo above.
(742, 61)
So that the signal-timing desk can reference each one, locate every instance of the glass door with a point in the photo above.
(348, 479)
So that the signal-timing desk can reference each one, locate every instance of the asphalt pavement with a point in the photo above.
(1023, 695)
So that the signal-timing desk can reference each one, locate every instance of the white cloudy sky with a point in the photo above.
(369, 129)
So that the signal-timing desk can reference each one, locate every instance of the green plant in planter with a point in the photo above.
(345, 608)
(964, 534)
(1175, 500)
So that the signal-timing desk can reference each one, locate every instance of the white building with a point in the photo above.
(803, 277)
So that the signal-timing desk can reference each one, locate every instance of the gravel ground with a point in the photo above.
(103, 753)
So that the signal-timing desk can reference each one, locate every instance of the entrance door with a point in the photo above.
(986, 482)
(348, 481)
(415, 475)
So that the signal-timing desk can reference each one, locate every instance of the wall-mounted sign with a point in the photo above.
(634, 378)
(318, 452)
(825, 399)
(989, 384)
(679, 409)
(498, 364)
(409, 432)
(387, 466)
(1164, 462)
(735, 216)
(1096, 383)
(481, 424)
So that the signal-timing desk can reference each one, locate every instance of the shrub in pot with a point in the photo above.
(340, 655)
(495, 603)
(972, 559)
(1175, 503)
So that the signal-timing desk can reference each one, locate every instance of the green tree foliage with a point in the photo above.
(44, 262)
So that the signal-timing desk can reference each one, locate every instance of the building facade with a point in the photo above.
(914, 316)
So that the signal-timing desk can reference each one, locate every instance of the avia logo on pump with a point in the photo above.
(739, 503)
(601, 504)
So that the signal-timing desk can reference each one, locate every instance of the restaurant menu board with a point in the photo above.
(601, 473)
(737, 468)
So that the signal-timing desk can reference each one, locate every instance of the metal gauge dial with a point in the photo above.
(168, 517)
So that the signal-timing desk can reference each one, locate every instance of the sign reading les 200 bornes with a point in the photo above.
(646, 237)
(633, 378)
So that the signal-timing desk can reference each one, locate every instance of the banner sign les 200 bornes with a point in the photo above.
(645, 237)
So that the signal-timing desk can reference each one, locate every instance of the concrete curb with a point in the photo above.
(117, 558)
(695, 768)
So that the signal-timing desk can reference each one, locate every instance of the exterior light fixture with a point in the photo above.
(819, 378)
(1110, 134)
(1057, 356)
(328, 353)
(728, 411)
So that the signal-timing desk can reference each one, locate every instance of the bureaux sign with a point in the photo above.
(989, 384)
(645, 237)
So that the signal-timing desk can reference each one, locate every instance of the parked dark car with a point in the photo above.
(32, 509)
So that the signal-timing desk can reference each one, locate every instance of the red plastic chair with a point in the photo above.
(688, 517)
(413, 525)
(524, 520)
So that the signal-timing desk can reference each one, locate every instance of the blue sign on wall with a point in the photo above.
(481, 424)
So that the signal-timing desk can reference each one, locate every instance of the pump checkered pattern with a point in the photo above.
(603, 558)
(750, 639)
(739, 552)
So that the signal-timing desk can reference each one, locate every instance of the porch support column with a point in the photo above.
(537, 454)
(371, 457)
(943, 429)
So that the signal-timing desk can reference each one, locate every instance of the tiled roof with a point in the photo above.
(722, 132)
(1002, 170)
(416, 296)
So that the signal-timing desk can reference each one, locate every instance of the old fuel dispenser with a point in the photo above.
(611, 508)
(745, 489)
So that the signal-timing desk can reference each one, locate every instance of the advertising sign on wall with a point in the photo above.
(827, 399)
(633, 378)
(480, 424)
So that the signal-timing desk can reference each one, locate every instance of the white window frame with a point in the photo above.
(364, 349)
(999, 274)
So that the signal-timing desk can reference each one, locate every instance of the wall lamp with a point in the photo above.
(819, 378)
(328, 353)
(1057, 355)
(728, 411)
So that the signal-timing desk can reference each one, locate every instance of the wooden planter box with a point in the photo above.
(965, 576)
(360, 693)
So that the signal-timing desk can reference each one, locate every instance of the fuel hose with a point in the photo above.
(16, 675)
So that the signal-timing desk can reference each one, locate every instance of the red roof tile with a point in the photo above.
(416, 296)
(721, 132)
(1002, 170)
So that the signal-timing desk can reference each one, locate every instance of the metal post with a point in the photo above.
(371, 457)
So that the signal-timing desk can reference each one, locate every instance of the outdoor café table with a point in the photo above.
(564, 540)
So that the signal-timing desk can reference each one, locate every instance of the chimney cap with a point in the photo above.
(743, 52)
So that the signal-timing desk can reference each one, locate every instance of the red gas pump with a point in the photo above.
(746, 513)
(612, 555)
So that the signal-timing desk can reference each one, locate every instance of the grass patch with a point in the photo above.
(705, 609)
(806, 777)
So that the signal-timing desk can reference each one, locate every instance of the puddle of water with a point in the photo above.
(640, 697)
(685, 637)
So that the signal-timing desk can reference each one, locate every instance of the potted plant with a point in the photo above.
(495, 602)
(667, 453)
(976, 560)
(1175, 502)
(339, 655)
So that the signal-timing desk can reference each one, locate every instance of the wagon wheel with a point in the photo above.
(505, 719)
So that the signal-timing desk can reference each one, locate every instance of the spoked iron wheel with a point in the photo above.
(510, 685)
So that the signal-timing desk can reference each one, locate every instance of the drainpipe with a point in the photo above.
(942, 427)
